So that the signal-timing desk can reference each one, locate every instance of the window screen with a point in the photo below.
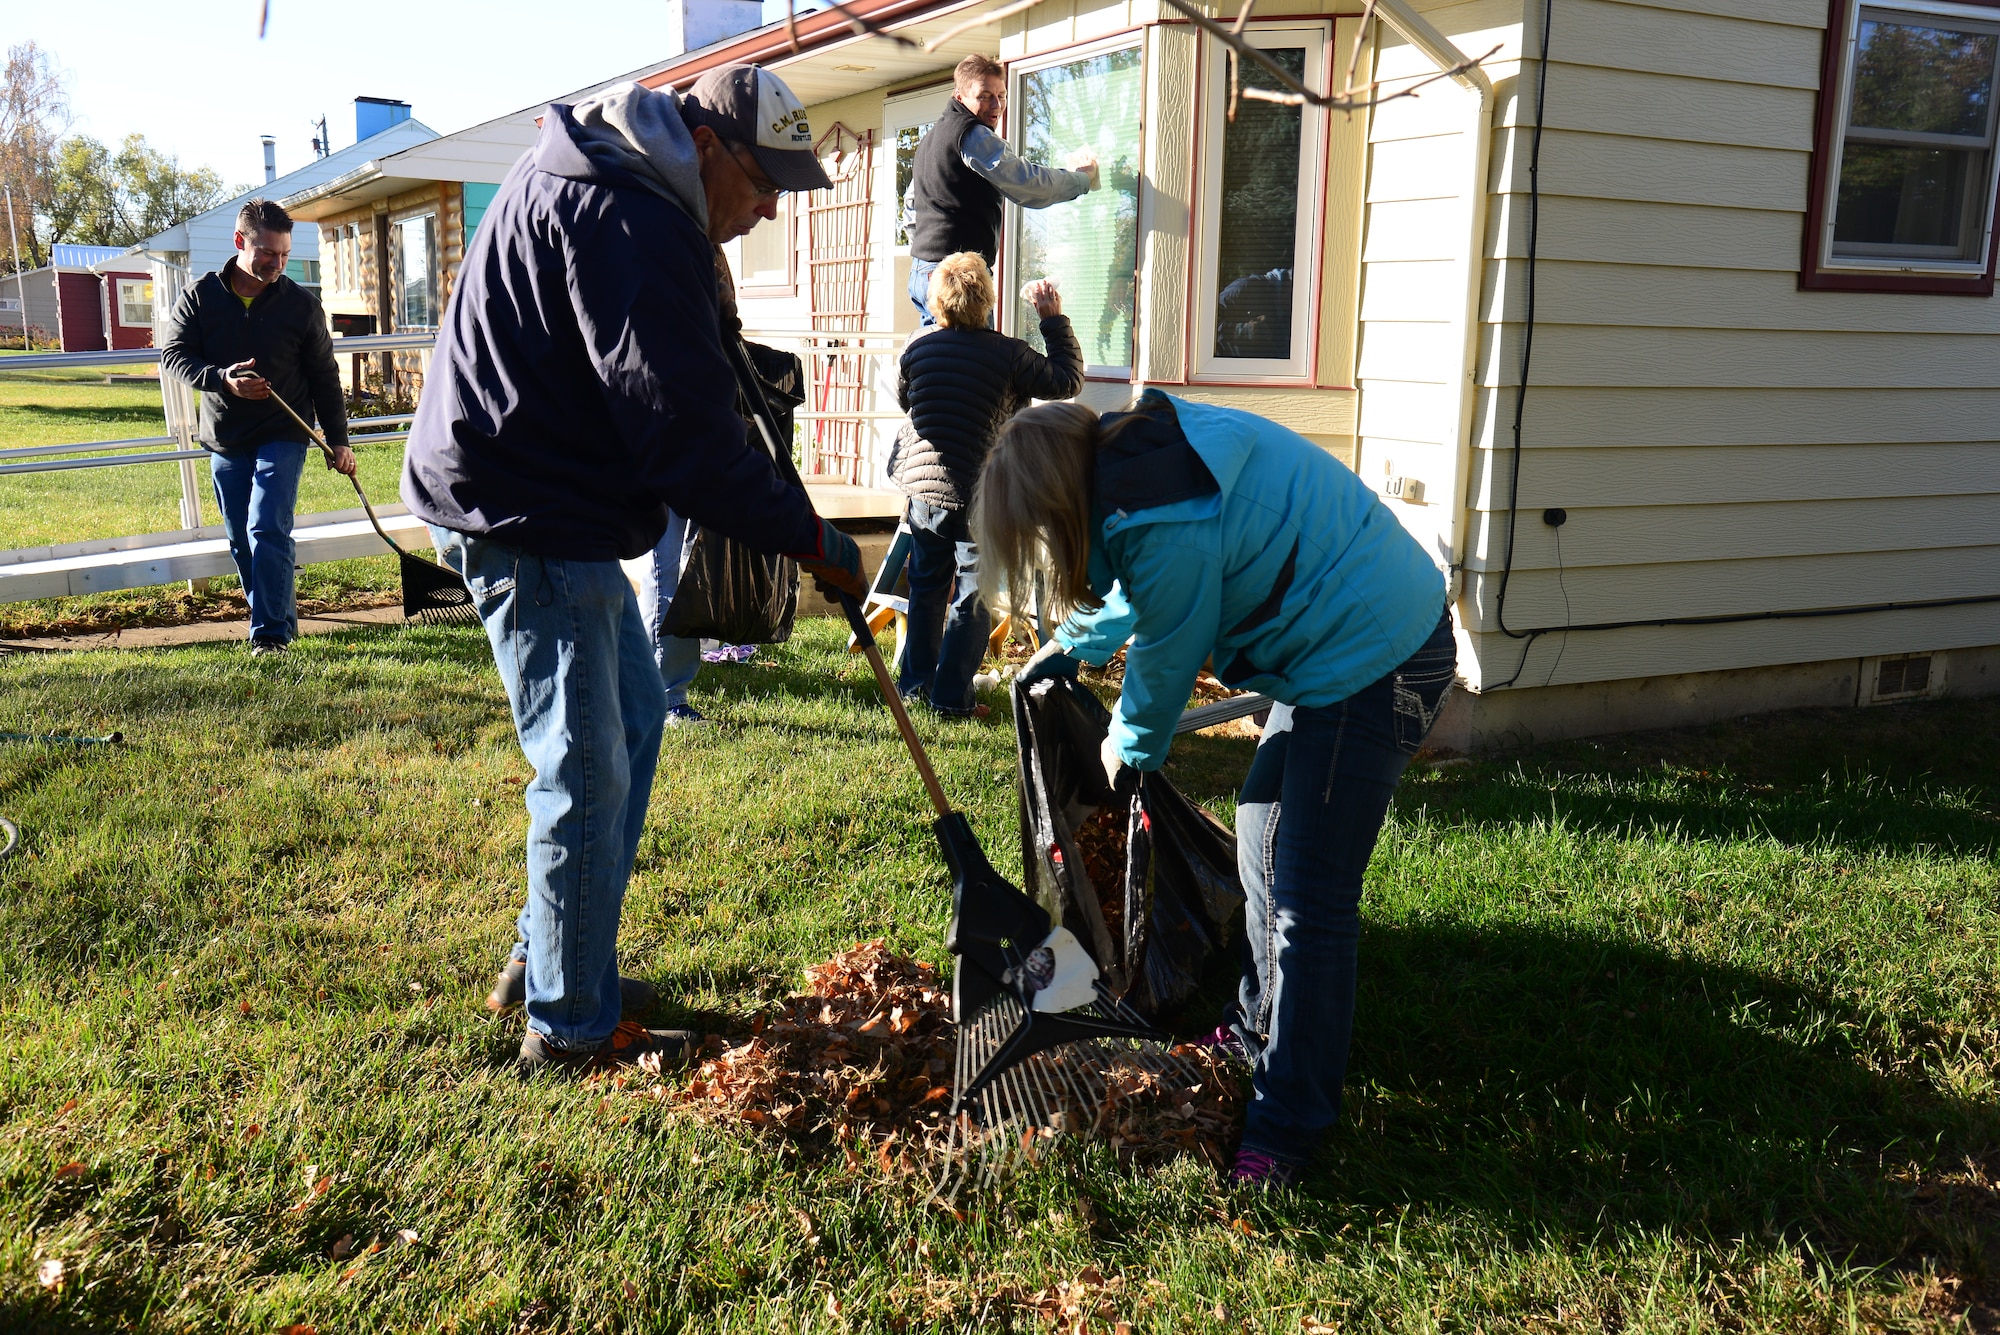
(1916, 162)
(1257, 246)
(1089, 245)
(416, 271)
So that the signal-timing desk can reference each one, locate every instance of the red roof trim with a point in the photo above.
(820, 28)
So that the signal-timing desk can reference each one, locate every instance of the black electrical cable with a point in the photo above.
(1520, 410)
(1527, 335)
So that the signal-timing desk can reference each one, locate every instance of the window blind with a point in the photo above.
(1089, 245)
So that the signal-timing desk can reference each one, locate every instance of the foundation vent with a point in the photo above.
(1903, 678)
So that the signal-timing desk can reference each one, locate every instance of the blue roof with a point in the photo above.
(82, 257)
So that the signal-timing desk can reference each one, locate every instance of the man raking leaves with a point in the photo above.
(579, 390)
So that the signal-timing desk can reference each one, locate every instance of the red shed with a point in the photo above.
(94, 299)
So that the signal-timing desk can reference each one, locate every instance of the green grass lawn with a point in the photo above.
(72, 407)
(1684, 1032)
(36, 509)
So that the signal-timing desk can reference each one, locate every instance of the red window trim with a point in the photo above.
(1825, 131)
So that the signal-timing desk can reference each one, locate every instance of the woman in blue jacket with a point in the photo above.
(1191, 533)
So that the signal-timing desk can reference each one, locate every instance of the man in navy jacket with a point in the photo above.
(578, 391)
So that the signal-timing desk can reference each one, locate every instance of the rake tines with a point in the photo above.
(1072, 1085)
(434, 594)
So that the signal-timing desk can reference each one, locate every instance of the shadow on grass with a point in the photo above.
(1912, 777)
(1577, 1084)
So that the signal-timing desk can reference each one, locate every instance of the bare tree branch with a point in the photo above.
(1235, 62)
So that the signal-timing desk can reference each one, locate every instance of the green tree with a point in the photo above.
(34, 113)
(100, 198)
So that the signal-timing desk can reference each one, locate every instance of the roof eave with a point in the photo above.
(772, 43)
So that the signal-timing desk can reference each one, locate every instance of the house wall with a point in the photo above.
(1721, 441)
(1323, 406)
(37, 289)
(81, 300)
(372, 287)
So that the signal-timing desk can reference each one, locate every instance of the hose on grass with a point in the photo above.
(8, 827)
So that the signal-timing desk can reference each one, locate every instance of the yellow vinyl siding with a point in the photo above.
(1722, 442)
(1657, 651)
(1535, 597)
(1655, 474)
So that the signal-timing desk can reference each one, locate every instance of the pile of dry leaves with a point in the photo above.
(867, 1053)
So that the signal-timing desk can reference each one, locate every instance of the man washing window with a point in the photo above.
(964, 170)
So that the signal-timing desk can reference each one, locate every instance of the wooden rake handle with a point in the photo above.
(864, 639)
(352, 479)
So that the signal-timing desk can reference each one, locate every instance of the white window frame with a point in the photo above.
(1903, 259)
(1297, 369)
(762, 284)
(1011, 238)
(906, 111)
(124, 283)
(433, 276)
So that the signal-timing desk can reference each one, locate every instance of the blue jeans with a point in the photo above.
(575, 658)
(944, 640)
(1306, 824)
(920, 290)
(658, 575)
(257, 491)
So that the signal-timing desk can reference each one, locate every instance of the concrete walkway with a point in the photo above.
(205, 632)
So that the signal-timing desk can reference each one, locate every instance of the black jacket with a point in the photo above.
(953, 207)
(579, 387)
(959, 387)
(284, 329)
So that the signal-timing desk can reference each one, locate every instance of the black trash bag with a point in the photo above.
(1148, 882)
(729, 592)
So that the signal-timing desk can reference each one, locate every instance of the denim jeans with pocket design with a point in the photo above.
(589, 709)
(656, 578)
(1310, 811)
(257, 491)
(947, 626)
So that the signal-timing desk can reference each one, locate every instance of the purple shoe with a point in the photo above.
(1254, 1168)
(1224, 1042)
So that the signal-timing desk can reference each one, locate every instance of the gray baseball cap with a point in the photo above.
(752, 107)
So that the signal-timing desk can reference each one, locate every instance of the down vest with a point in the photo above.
(959, 387)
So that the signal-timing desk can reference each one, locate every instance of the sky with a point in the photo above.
(192, 76)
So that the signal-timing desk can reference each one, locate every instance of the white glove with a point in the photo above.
(1114, 765)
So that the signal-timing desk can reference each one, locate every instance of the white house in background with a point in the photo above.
(203, 242)
(1756, 444)
(392, 229)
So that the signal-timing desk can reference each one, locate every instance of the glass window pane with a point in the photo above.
(1258, 239)
(414, 255)
(907, 140)
(1896, 196)
(1090, 245)
(1923, 77)
(764, 250)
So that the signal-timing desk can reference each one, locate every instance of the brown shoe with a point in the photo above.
(631, 1043)
(636, 996)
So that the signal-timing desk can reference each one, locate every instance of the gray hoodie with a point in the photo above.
(640, 130)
